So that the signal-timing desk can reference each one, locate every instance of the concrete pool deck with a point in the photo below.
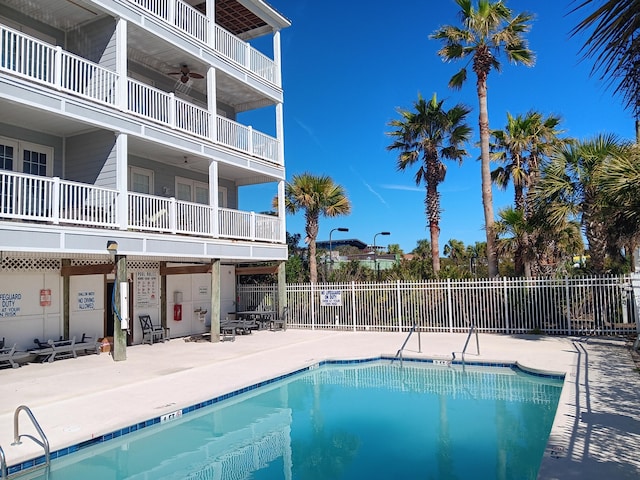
(596, 433)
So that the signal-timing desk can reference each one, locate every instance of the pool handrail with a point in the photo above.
(3, 464)
(472, 328)
(399, 352)
(43, 441)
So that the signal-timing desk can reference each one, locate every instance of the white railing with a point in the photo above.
(86, 78)
(191, 21)
(39, 61)
(246, 139)
(267, 227)
(193, 218)
(43, 63)
(56, 201)
(235, 224)
(232, 134)
(84, 204)
(26, 56)
(264, 146)
(569, 306)
(149, 102)
(192, 118)
(148, 212)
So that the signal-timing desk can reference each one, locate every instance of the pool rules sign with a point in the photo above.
(330, 298)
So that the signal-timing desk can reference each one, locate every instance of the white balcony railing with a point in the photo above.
(28, 57)
(194, 23)
(56, 201)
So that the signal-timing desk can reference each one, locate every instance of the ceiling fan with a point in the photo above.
(186, 74)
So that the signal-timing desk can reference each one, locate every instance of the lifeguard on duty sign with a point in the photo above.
(330, 298)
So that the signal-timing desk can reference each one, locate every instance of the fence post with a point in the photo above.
(506, 305)
(399, 299)
(313, 309)
(568, 300)
(449, 306)
(353, 304)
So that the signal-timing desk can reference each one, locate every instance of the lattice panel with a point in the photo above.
(142, 265)
(20, 264)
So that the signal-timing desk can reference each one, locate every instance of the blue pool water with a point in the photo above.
(372, 420)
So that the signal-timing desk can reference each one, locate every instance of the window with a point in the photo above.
(192, 191)
(25, 157)
(140, 180)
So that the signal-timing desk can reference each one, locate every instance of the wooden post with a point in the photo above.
(65, 299)
(282, 289)
(120, 335)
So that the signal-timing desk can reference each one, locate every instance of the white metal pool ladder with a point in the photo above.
(42, 441)
(399, 353)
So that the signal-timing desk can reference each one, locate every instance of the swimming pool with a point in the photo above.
(367, 419)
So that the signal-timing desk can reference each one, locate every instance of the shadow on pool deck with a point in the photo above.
(596, 432)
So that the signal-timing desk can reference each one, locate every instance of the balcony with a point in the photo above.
(61, 202)
(40, 62)
(195, 24)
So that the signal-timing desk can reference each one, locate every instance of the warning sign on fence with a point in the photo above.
(330, 298)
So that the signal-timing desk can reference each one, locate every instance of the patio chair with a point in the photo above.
(152, 333)
(10, 356)
(280, 323)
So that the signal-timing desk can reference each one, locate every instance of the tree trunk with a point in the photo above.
(312, 233)
(487, 194)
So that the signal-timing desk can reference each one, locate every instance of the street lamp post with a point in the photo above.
(375, 253)
(340, 229)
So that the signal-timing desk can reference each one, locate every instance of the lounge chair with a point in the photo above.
(152, 333)
(59, 349)
(10, 356)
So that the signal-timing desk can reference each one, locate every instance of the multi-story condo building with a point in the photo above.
(137, 124)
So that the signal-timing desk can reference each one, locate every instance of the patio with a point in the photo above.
(595, 434)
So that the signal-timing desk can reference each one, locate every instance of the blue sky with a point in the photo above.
(347, 67)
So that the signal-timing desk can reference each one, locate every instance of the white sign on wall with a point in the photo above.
(86, 300)
(330, 298)
(10, 304)
(146, 289)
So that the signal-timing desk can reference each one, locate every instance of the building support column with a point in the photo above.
(282, 289)
(122, 88)
(215, 301)
(122, 207)
(212, 104)
(121, 310)
(214, 199)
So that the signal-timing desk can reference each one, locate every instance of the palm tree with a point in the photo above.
(619, 184)
(429, 134)
(569, 188)
(487, 31)
(614, 44)
(317, 196)
(455, 250)
(521, 146)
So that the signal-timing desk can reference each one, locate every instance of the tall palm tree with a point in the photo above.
(317, 196)
(569, 188)
(521, 146)
(428, 134)
(486, 32)
(614, 44)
